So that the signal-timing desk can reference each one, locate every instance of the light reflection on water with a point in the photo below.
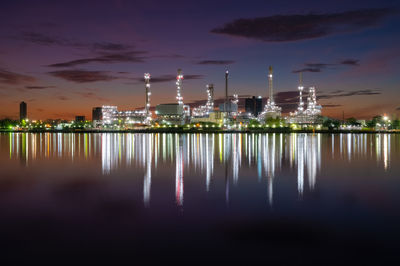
(268, 154)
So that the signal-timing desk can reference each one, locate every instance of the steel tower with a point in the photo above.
(270, 109)
(301, 88)
(270, 86)
(226, 91)
(179, 87)
(210, 97)
(148, 93)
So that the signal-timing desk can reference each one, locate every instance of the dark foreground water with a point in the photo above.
(280, 199)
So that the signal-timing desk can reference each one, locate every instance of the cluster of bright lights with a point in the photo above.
(205, 110)
(313, 110)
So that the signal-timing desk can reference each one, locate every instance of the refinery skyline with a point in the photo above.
(62, 67)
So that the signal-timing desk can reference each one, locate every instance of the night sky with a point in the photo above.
(65, 57)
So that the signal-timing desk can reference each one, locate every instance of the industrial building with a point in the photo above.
(179, 114)
(109, 115)
(23, 111)
(253, 105)
(80, 118)
(97, 114)
(174, 113)
(216, 117)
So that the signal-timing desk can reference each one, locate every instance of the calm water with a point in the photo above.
(225, 196)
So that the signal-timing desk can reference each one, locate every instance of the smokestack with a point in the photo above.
(271, 89)
(226, 90)
(301, 104)
(148, 93)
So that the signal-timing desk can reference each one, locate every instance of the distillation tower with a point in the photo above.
(179, 79)
(307, 115)
(148, 93)
(270, 110)
(205, 110)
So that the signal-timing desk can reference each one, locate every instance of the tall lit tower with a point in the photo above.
(313, 108)
(226, 91)
(210, 97)
(148, 93)
(270, 87)
(179, 87)
(270, 109)
(301, 88)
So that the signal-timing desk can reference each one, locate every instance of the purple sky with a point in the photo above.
(65, 57)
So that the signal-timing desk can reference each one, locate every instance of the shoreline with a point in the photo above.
(206, 131)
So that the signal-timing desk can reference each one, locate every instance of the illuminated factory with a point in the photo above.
(270, 110)
(307, 115)
(109, 115)
(227, 113)
(174, 113)
(206, 113)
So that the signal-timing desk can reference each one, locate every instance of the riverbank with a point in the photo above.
(205, 130)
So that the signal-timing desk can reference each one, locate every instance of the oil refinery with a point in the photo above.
(227, 114)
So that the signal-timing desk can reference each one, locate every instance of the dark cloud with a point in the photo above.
(82, 76)
(194, 76)
(42, 39)
(133, 57)
(168, 78)
(174, 56)
(350, 62)
(318, 67)
(109, 46)
(12, 78)
(216, 62)
(38, 87)
(286, 28)
(39, 109)
(307, 69)
(398, 108)
(48, 40)
(341, 93)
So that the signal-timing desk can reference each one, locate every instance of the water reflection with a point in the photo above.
(261, 155)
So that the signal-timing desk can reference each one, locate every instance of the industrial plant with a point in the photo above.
(226, 114)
